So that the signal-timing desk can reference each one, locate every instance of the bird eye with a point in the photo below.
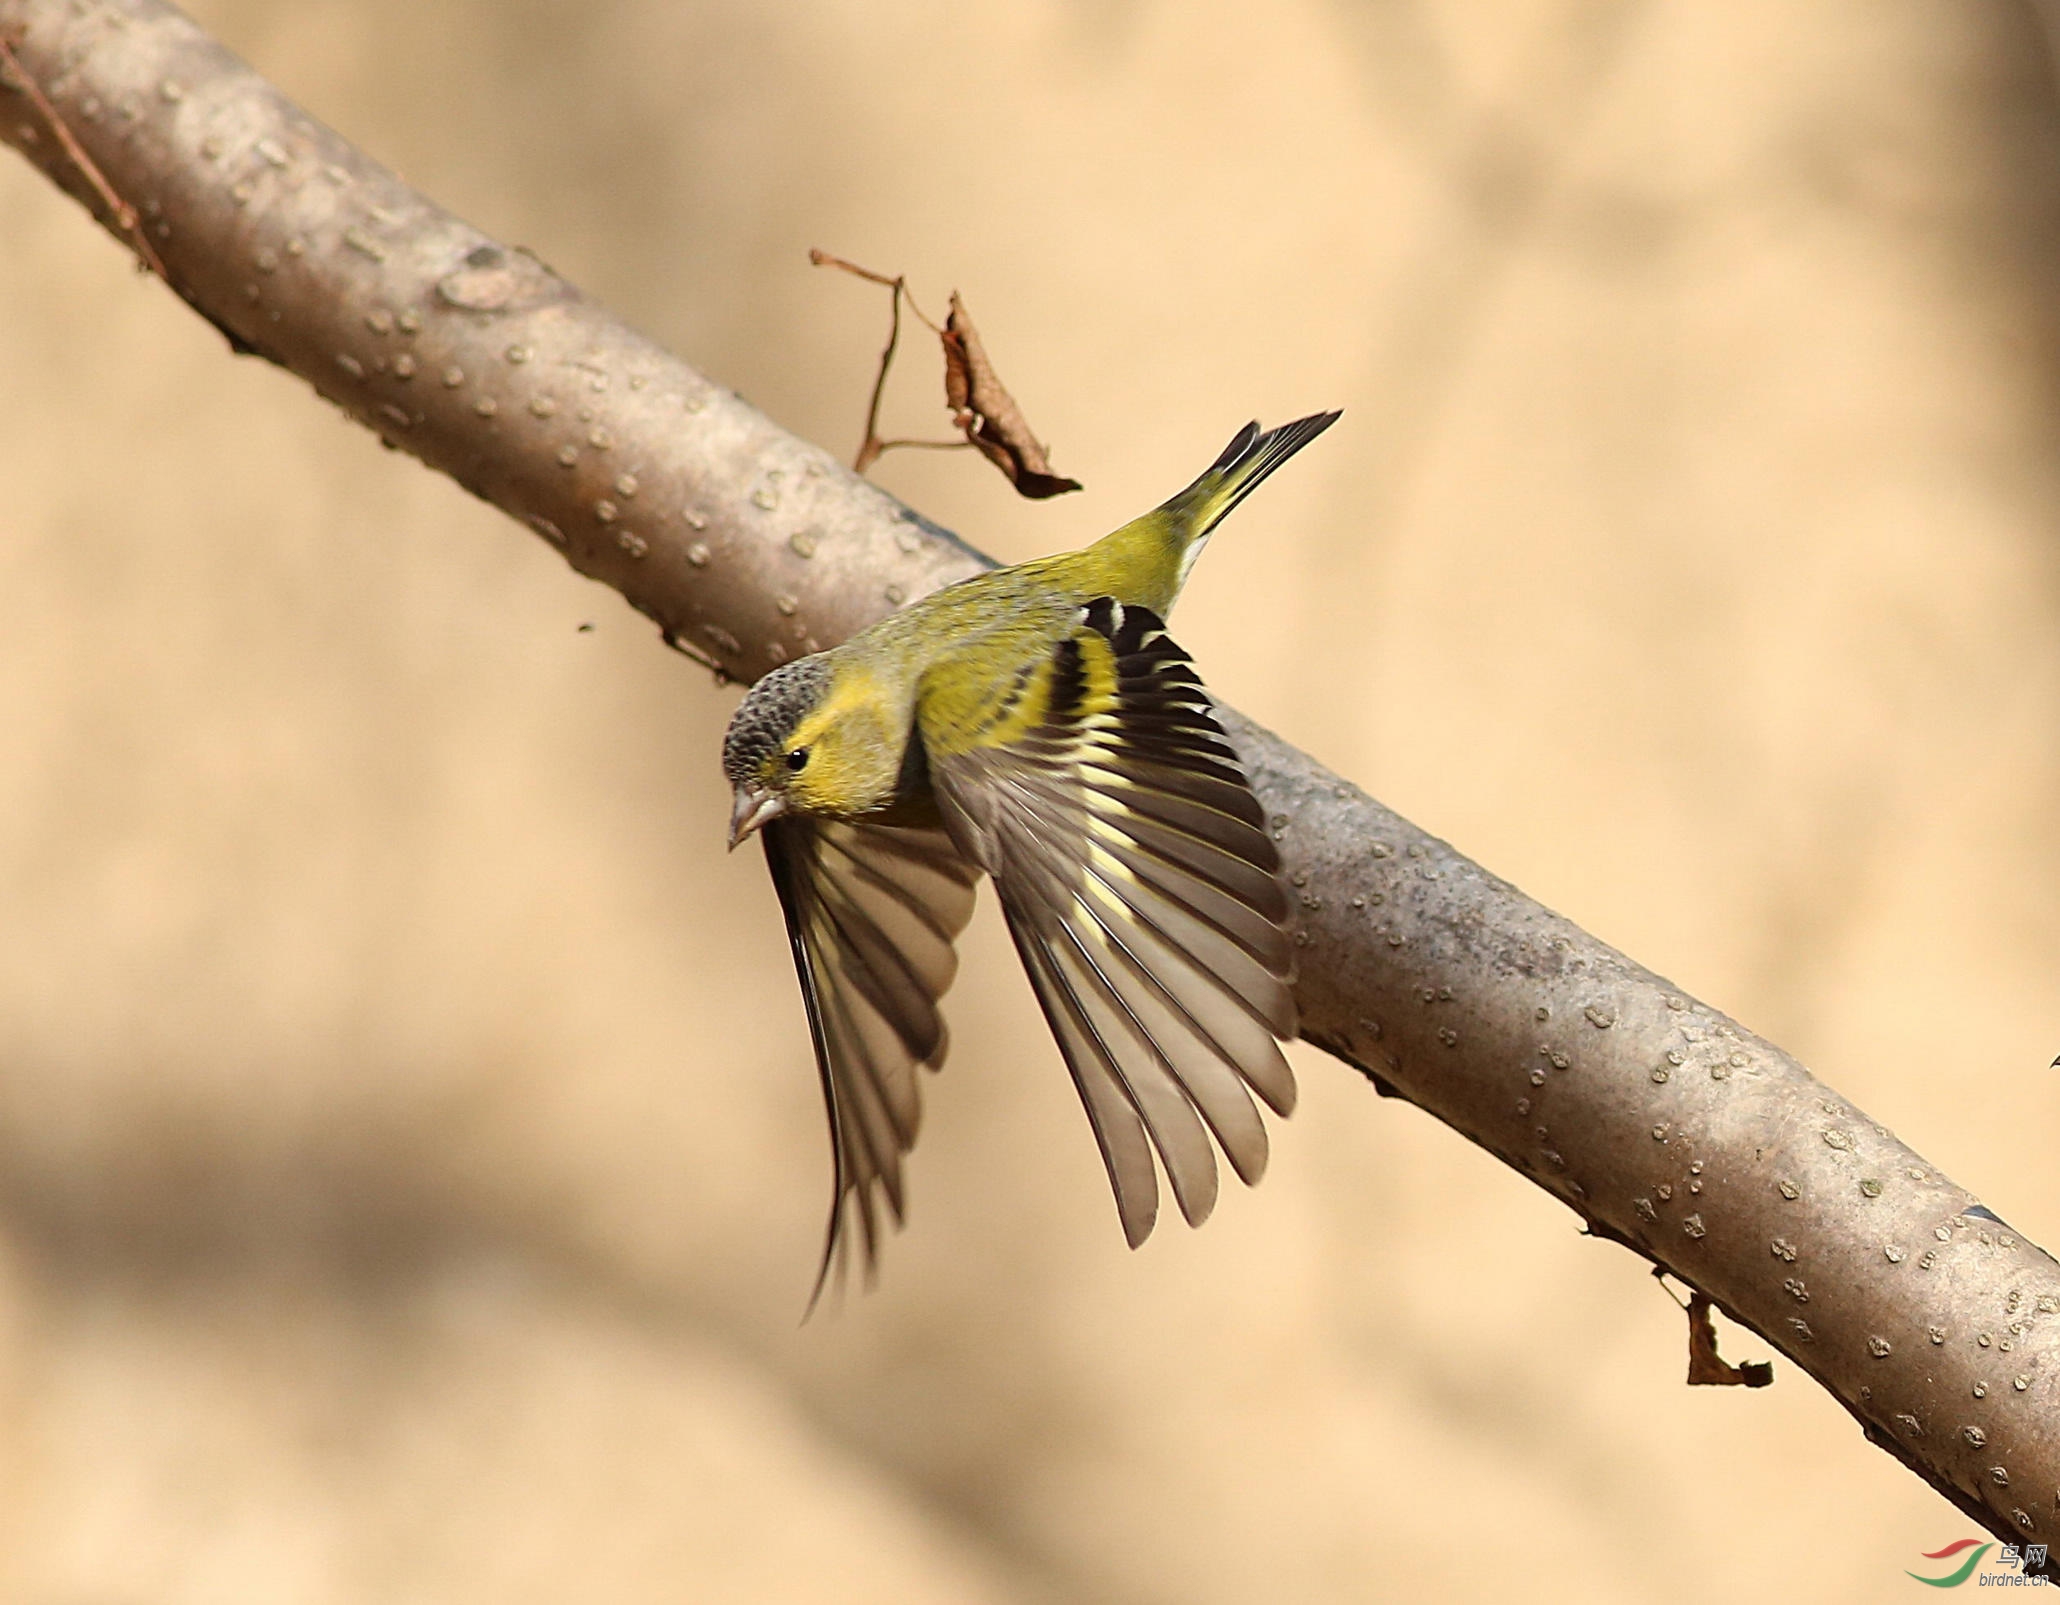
(797, 760)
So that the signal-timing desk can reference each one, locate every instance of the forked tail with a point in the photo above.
(1147, 561)
(1245, 462)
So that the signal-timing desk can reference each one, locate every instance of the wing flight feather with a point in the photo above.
(872, 912)
(1142, 892)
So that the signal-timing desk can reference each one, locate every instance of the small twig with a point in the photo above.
(124, 215)
(869, 449)
(898, 285)
(822, 258)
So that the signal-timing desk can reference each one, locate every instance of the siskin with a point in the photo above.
(1034, 724)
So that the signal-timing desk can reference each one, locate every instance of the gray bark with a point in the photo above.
(1666, 1126)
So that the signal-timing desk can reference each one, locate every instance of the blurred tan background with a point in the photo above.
(411, 1166)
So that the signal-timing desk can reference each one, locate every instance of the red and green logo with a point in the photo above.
(1954, 1579)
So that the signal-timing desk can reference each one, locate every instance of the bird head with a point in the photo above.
(819, 736)
(762, 753)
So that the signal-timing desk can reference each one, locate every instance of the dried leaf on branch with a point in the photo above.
(981, 407)
(1708, 1368)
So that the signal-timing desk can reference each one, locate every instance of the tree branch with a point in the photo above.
(1666, 1126)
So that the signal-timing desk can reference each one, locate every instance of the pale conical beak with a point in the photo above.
(754, 807)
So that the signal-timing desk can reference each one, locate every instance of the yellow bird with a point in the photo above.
(1034, 724)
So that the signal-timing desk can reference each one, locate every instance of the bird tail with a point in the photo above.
(1190, 517)
(1147, 561)
(1246, 461)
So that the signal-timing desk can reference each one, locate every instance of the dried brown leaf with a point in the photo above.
(1706, 1367)
(983, 409)
(869, 449)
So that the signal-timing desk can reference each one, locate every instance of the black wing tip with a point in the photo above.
(840, 1280)
(869, 1134)
(833, 1257)
(835, 1268)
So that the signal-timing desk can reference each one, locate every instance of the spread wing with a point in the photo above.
(1142, 891)
(871, 914)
